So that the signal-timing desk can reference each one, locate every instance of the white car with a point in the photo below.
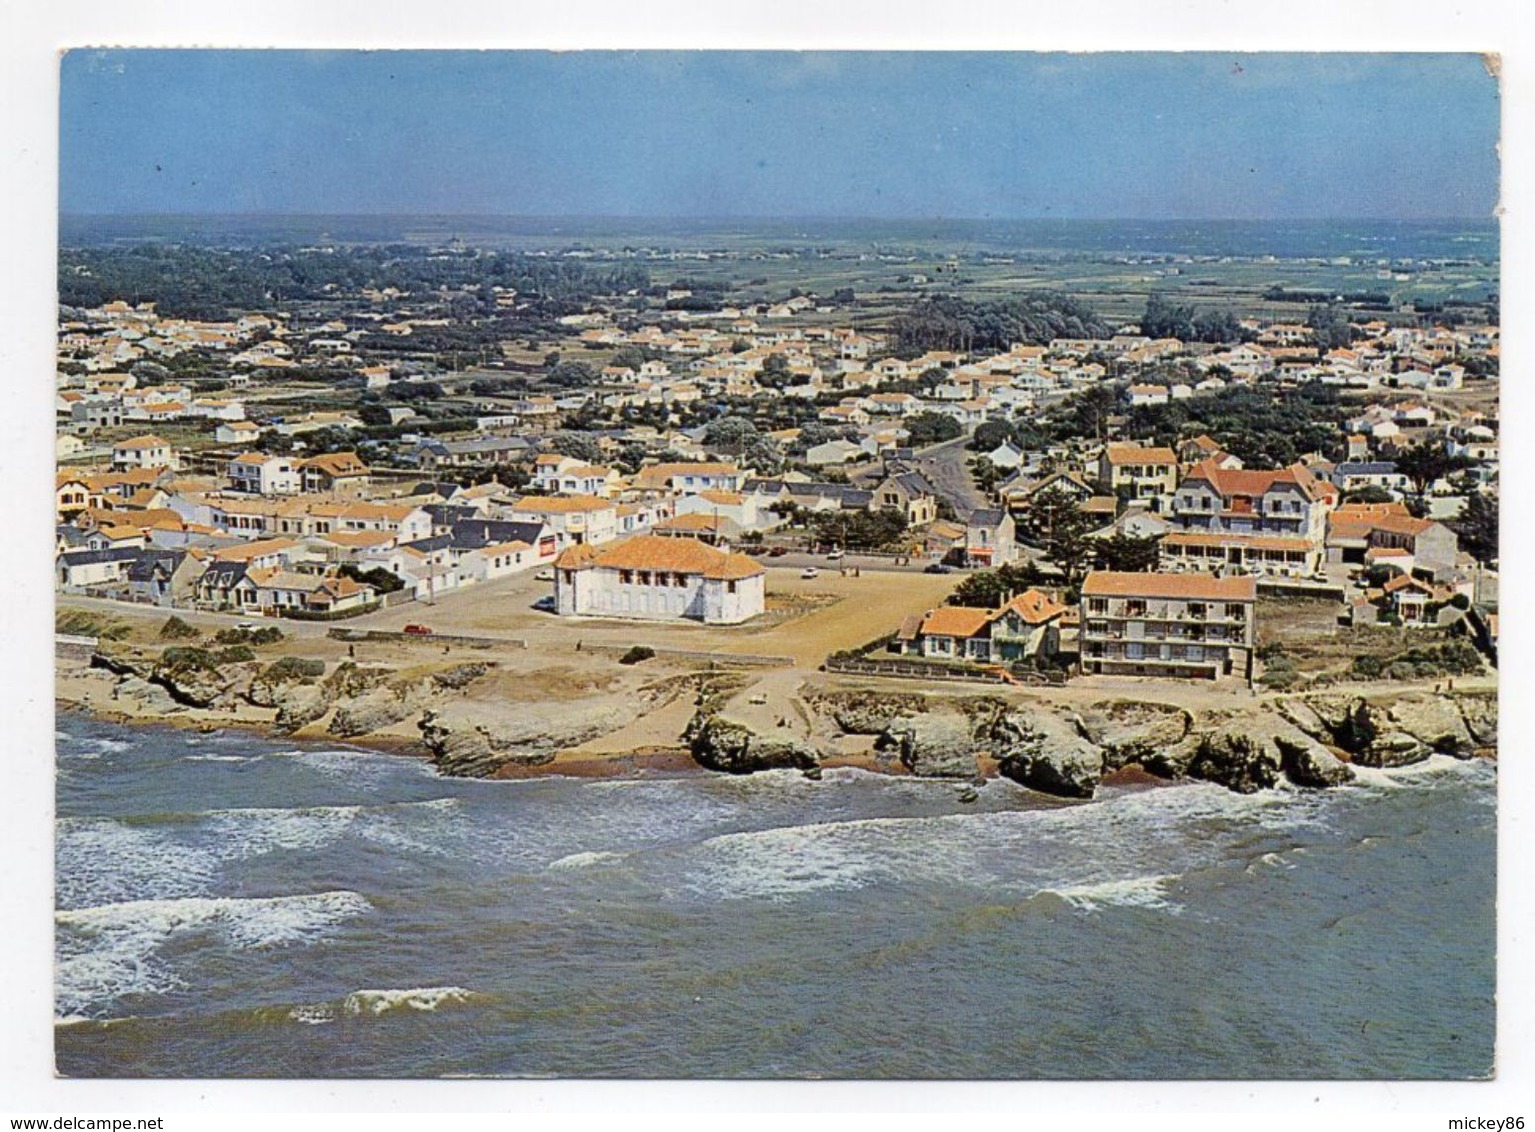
(810, 572)
(544, 576)
(835, 553)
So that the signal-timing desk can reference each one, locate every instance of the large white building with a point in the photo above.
(658, 578)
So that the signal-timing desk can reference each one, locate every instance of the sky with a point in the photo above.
(757, 134)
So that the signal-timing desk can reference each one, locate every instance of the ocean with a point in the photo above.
(230, 906)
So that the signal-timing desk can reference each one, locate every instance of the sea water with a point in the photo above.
(232, 906)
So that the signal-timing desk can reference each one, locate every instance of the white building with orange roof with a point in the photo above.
(574, 519)
(147, 451)
(656, 578)
(1189, 626)
(257, 473)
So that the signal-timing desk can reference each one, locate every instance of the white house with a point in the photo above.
(657, 578)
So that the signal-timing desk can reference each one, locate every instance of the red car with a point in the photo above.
(419, 630)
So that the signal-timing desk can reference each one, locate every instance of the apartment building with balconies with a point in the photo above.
(1184, 626)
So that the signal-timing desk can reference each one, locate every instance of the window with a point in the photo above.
(682, 580)
(644, 577)
(730, 587)
(1098, 605)
(626, 577)
(1236, 612)
(1135, 608)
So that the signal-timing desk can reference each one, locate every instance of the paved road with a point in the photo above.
(944, 466)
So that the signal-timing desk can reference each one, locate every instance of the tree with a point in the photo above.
(384, 581)
(1057, 523)
(931, 428)
(572, 375)
(1129, 554)
(1477, 527)
(578, 446)
(775, 372)
(1423, 464)
(985, 474)
(992, 434)
(375, 416)
(1330, 325)
(989, 589)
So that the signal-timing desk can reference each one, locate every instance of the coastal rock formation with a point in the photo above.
(382, 707)
(1307, 763)
(150, 697)
(1046, 753)
(475, 750)
(934, 745)
(1393, 748)
(1172, 761)
(868, 714)
(1434, 721)
(721, 744)
(1479, 711)
(299, 705)
(1237, 759)
(1130, 732)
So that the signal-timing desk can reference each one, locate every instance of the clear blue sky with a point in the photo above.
(779, 134)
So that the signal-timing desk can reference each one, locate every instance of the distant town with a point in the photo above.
(1282, 490)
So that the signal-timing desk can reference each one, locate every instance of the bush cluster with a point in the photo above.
(636, 654)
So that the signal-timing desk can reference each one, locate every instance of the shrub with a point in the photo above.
(1401, 670)
(293, 668)
(175, 629)
(1280, 679)
(1270, 650)
(1367, 666)
(636, 654)
(1460, 601)
(265, 635)
(186, 657)
(235, 654)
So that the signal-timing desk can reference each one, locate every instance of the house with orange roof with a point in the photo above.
(573, 519)
(257, 473)
(147, 451)
(1270, 522)
(689, 477)
(1182, 626)
(1140, 472)
(651, 577)
(335, 472)
(1028, 625)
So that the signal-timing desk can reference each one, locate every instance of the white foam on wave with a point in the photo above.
(586, 860)
(106, 861)
(223, 758)
(1129, 892)
(414, 998)
(1020, 851)
(1425, 772)
(111, 950)
(253, 832)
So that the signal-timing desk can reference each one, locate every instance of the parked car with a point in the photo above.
(810, 572)
(937, 568)
(419, 630)
(835, 553)
(545, 604)
(777, 551)
(544, 576)
(246, 626)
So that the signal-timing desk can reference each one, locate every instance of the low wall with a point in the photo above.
(427, 638)
(909, 670)
(67, 647)
(751, 660)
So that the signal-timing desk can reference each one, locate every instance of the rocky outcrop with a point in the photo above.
(1434, 721)
(150, 697)
(459, 676)
(1172, 761)
(1393, 748)
(1306, 762)
(299, 705)
(1237, 759)
(1479, 711)
(868, 714)
(724, 745)
(382, 707)
(935, 745)
(1047, 753)
(1131, 732)
(476, 750)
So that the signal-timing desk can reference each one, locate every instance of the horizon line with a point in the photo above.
(746, 217)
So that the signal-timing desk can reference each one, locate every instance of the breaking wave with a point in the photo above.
(107, 952)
